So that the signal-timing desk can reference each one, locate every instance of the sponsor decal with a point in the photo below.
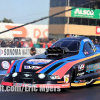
(86, 53)
(36, 67)
(82, 81)
(1, 51)
(66, 78)
(85, 40)
(27, 67)
(79, 81)
(81, 67)
(92, 67)
(5, 64)
(66, 85)
(80, 74)
(94, 49)
(38, 61)
(76, 81)
(24, 84)
(32, 67)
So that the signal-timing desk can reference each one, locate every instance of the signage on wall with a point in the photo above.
(86, 13)
(24, 32)
(16, 52)
(97, 30)
(1, 51)
(5, 64)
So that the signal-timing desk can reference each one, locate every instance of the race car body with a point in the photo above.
(69, 62)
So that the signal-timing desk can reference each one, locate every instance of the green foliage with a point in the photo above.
(5, 20)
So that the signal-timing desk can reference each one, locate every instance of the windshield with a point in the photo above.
(70, 45)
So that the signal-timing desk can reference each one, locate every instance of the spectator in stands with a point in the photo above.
(7, 43)
(22, 43)
(15, 43)
(0, 42)
(96, 42)
(19, 43)
(42, 44)
(49, 44)
(31, 43)
(32, 50)
(92, 41)
(11, 44)
(53, 41)
(3, 44)
(25, 44)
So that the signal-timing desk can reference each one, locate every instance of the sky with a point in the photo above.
(24, 11)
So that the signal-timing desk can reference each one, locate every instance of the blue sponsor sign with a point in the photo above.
(92, 67)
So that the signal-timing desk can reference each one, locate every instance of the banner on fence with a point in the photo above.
(18, 52)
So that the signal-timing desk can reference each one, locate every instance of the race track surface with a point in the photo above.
(83, 93)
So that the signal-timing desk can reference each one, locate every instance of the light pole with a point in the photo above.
(68, 2)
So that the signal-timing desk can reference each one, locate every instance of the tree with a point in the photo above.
(10, 21)
(5, 20)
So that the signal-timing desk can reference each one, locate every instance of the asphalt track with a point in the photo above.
(83, 93)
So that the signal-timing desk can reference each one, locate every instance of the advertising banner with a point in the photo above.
(85, 13)
(33, 32)
(18, 52)
(97, 30)
(8, 55)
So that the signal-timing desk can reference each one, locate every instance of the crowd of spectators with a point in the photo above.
(22, 43)
(96, 42)
(14, 44)
(46, 44)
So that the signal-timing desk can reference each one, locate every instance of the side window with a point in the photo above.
(87, 49)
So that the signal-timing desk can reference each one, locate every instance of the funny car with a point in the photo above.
(69, 62)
